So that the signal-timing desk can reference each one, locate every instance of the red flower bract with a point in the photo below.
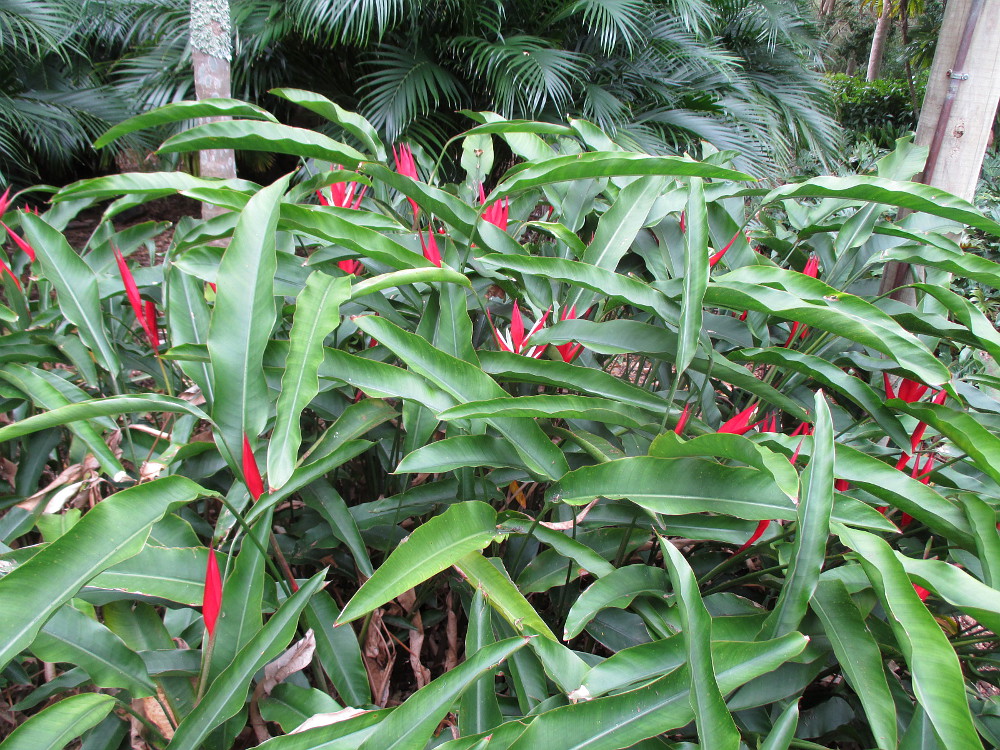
(430, 247)
(145, 315)
(212, 598)
(251, 474)
(405, 165)
(20, 241)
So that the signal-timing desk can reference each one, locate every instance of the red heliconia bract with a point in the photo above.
(921, 592)
(740, 423)
(4, 268)
(405, 165)
(570, 350)
(430, 247)
(716, 257)
(149, 324)
(350, 267)
(498, 213)
(683, 223)
(515, 340)
(682, 419)
(4, 201)
(22, 243)
(841, 485)
(212, 598)
(342, 194)
(757, 534)
(251, 474)
(812, 267)
(145, 315)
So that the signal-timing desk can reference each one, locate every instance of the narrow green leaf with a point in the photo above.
(179, 111)
(458, 215)
(460, 451)
(270, 137)
(734, 447)
(322, 497)
(353, 123)
(466, 382)
(176, 574)
(983, 520)
(70, 636)
(100, 407)
(189, 319)
(38, 388)
(368, 243)
(242, 319)
(317, 314)
(56, 726)
(147, 185)
(76, 286)
(813, 529)
(338, 650)
(795, 296)
(626, 718)
(859, 656)
(408, 276)
(605, 164)
(715, 724)
(114, 530)
(502, 594)
(432, 547)
(830, 376)
(614, 589)
(479, 710)
(783, 732)
(603, 410)
(911, 195)
(937, 676)
(229, 690)
(695, 281)
(412, 724)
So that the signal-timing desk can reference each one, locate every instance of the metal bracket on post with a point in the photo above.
(958, 76)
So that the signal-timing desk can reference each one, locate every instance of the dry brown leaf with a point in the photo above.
(152, 710)
(451, 633)
(75, 474)
(421, 674)
(150, 470)
(379, 657)
(295, 659)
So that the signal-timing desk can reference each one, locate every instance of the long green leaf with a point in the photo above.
(100, 407)
(479, 710)
(114, 530)
(911, 195)
(607, 411)
(412, 724)
(937, 676)
(37, 387)
(317, 314)
(229, 690)
(242, 319)
(859, 657)
(795, 296)
(622, 720)
(189, 318)
(715, 724)
(353, 123)
(148, 185)
(176, 574)
(466, 382)
(76, 286)
(270, 137)
(70, 636)
(60, 723)
(338, 650)
(502, 594)
(462, 450)
(432, 547)
(179, 111)
(614, 589)
(813, 529)
(695, 281)
(605, 164)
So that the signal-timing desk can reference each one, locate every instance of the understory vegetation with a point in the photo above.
(600, 450)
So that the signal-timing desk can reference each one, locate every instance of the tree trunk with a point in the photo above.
(212, 44)
(959, 108)
(878, 41)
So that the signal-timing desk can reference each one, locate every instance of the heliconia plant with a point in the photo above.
(490, 520)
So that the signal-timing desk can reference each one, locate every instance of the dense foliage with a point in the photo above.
(657, 75)
(623, 453)
(879, 111)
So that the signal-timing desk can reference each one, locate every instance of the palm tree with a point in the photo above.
(54, 100)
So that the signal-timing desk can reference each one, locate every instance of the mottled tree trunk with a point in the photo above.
(959, 108)
(878, 41)
(212, 43)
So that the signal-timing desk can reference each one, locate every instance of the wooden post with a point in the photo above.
(959, 107)
(212, 45)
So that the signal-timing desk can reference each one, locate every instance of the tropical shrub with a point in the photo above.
(623, 452)
(879, 111)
